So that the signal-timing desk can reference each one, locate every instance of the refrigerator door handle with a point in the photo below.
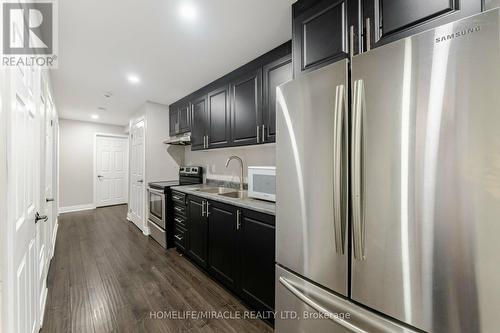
(356, 171)
(317, 307)
(338, 218)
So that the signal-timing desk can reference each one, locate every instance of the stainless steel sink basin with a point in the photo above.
(235, 194)
(216, 190)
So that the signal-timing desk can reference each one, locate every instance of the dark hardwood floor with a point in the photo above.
(108, 277)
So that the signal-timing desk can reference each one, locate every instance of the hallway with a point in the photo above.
(108, 277)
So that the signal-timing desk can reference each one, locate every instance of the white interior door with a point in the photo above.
(44, 230)
(137, 189)
(24, 186)
(111, 170)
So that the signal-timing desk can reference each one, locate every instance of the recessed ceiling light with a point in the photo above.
(94, 116)
(188, 11)
(134, 79)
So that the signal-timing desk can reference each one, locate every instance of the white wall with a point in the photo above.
(76, 160)
(162, 161)
(213, 161)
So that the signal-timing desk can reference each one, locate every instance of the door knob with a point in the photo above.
(49, 199)
(39, 217)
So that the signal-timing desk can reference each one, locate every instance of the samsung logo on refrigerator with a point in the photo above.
(457, 34)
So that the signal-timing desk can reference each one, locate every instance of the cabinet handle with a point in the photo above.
(179, 238)
(338, 169)
(178, 209)
(368, 34)
(203, 208)
(351, 42)
(176, 197)
(258, 134)
(178, 220)
(305, 297)
(208, 141)
(358, 227)
(263, 133)
(206, 209)
(238, 219)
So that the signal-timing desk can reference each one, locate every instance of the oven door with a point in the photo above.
(156, 211)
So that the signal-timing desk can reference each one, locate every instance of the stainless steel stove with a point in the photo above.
(159, 214)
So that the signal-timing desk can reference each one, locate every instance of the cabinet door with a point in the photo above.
(246, 105)
(321, 33)
(390, 20)
(257, 244)
(223, 244)
(218, 118)
(173, 121)
(197, 231)
(198, 124)
(275, 73)
(184, 118)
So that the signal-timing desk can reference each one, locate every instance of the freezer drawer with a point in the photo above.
(157, 233)
(426, 178)
(302, 307)
(311, 177)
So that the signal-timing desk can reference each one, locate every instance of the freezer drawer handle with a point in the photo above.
(336, 319)
(357, 169)
(338, 149)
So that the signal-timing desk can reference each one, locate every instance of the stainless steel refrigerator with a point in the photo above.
(388, 188)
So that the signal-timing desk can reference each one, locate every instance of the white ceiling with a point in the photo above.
(101, 42)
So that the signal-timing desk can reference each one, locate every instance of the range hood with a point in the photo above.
(179, 140)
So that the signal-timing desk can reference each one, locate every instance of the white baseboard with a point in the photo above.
(77, 208)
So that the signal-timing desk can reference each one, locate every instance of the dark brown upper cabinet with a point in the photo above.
(246, 108)
(218, 118)
(180, 118)
(173, 120)
(274, 74)
(385, 21)
(321, 32)
(198, 122)
(184, 118)
(237, 109)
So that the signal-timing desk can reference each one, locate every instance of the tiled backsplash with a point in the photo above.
(214, 161)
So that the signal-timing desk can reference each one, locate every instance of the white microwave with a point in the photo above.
(262, 183)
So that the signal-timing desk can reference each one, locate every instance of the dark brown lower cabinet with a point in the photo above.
(197, 245)
(257, 259)
(223, 246)
(236, 246)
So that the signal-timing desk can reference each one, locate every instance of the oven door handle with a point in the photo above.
(156, 191)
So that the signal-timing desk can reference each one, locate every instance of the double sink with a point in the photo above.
(224, 192)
